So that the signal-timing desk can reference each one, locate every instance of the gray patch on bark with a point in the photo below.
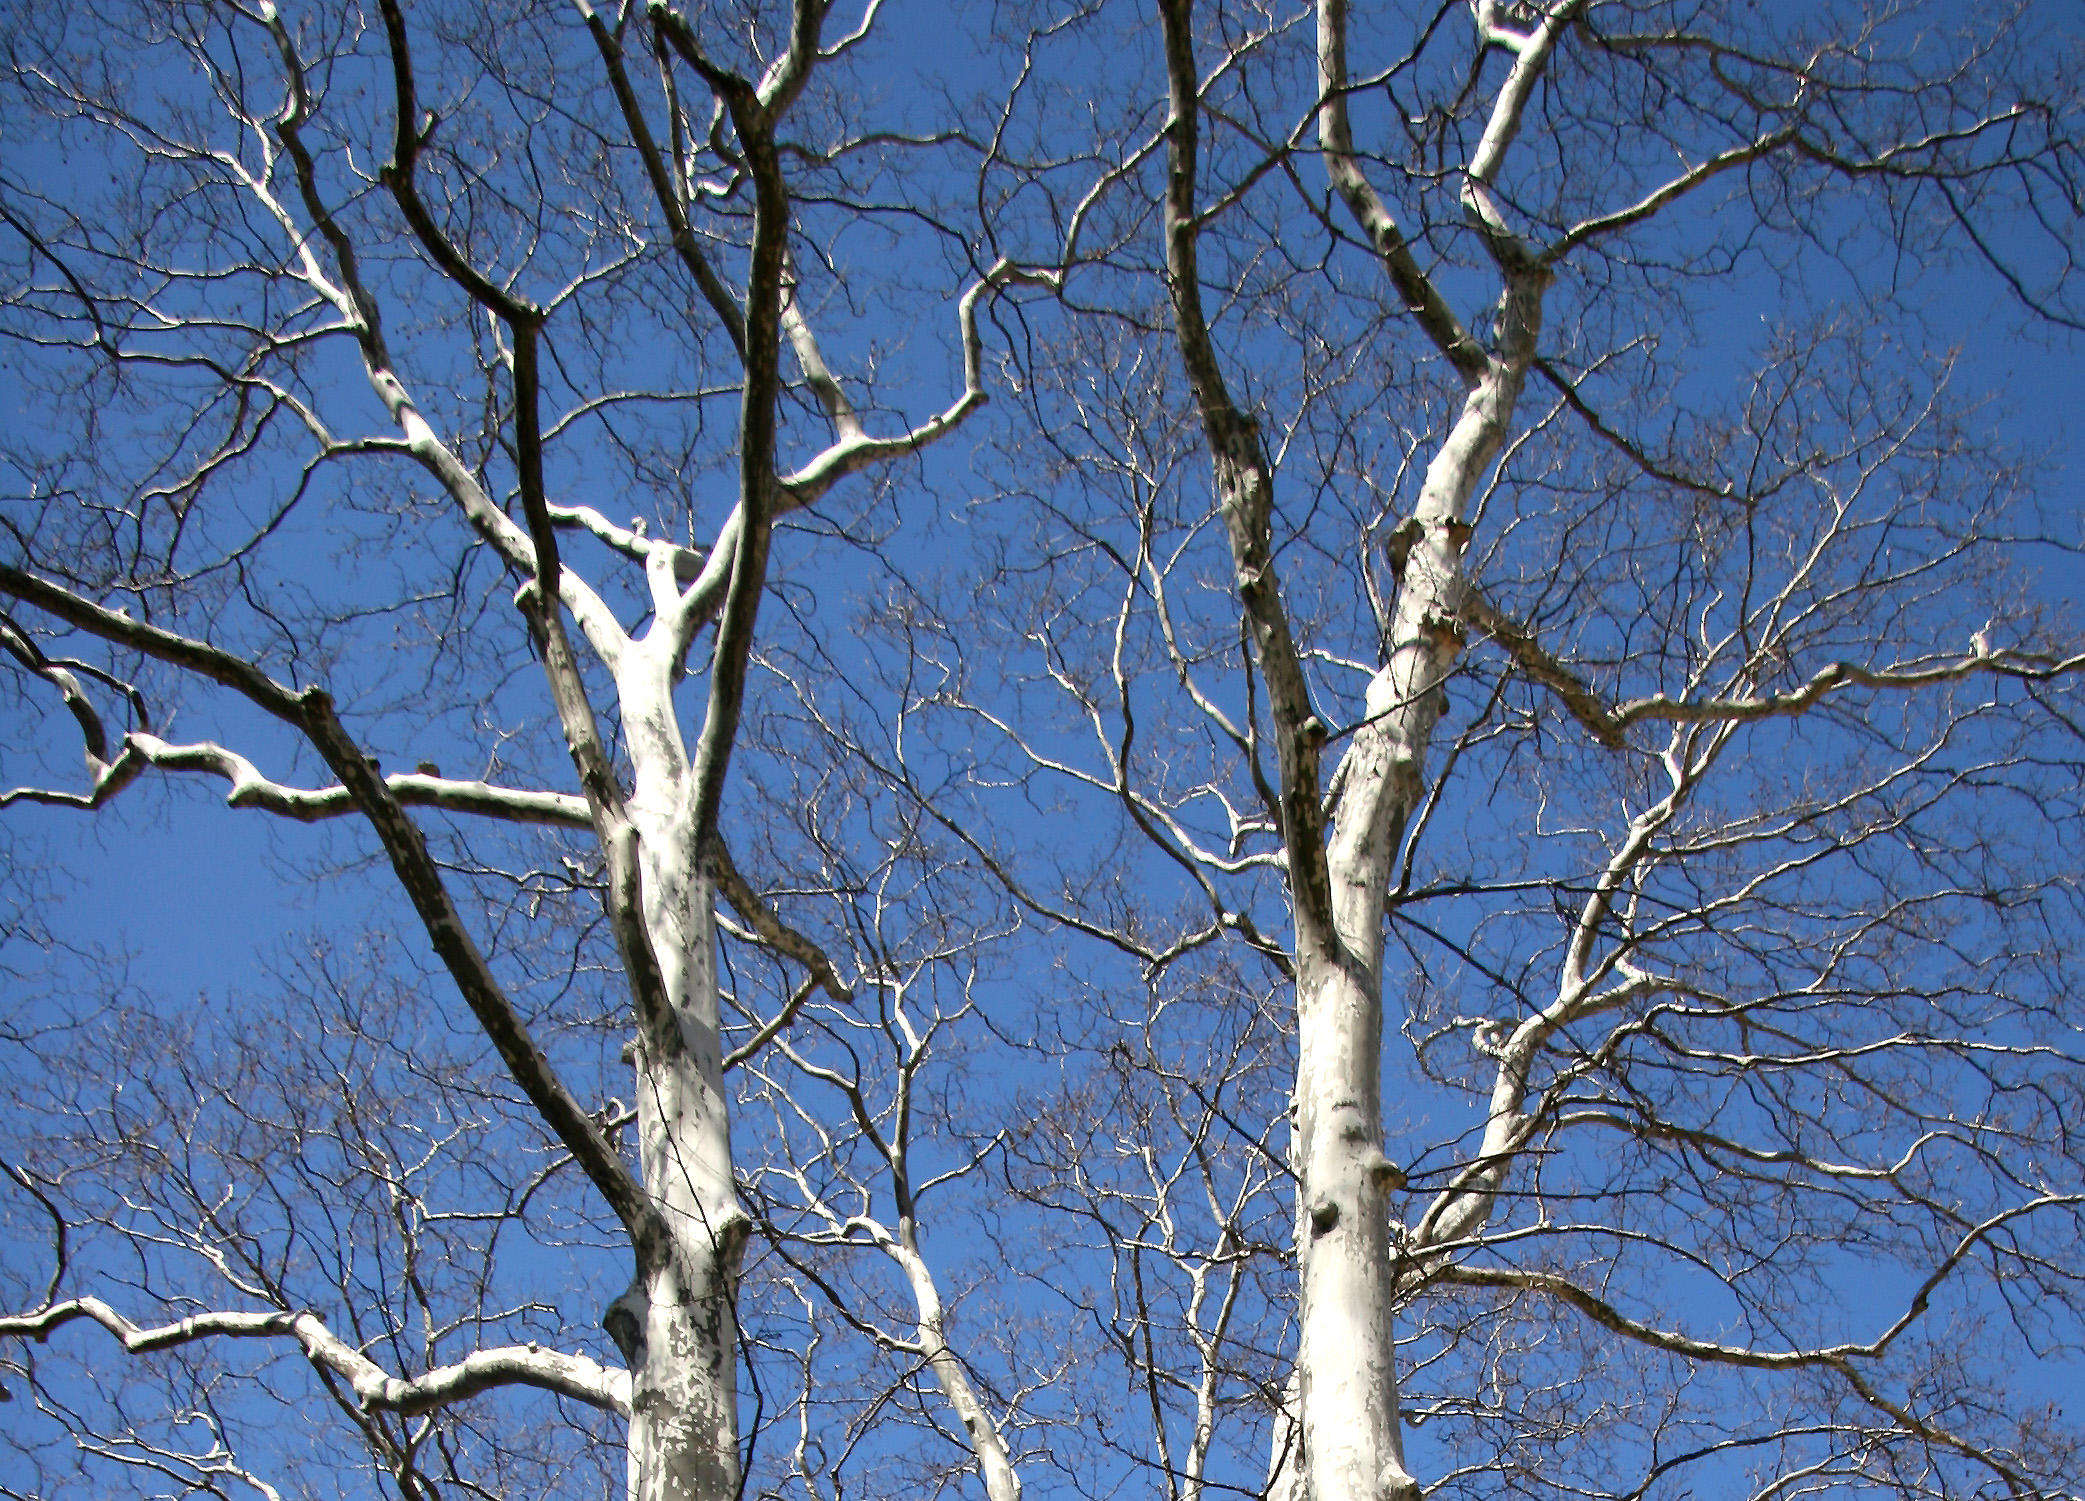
(624, 1320)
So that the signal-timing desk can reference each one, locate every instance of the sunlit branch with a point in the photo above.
(376, 1390)
(250, 789)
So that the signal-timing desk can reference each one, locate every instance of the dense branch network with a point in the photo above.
(1057, 934)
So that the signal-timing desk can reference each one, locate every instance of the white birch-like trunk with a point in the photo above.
(1344, 1441)
(677, 1323)
(1346, 1423)
(1346, 1383)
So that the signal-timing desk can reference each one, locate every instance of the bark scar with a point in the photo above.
(1398, 545)
(624, 1322)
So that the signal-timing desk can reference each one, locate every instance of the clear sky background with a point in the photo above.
(197, 901)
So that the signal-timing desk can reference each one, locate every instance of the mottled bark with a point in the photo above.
(677, 1325)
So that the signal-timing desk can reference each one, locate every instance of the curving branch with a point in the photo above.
(754, 113)
(930, 1341)
(251, 789)
(1609, 722)
(1845, 1359)
(767, 925)
(2001, 663)
(855, 449)
(1568, 389)
(361, 316)
(376, 1390)
(1531, 53)
(65, 675)
(1422, 299)
(1538, 665)
(1677, 187)
(659, 173)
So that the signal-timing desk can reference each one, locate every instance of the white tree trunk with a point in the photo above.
(677, 1323)
(1351, 1447)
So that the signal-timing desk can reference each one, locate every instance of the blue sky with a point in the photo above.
(202, 905)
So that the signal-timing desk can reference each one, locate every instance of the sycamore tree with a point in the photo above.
(466, 279)
(1277, 750)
